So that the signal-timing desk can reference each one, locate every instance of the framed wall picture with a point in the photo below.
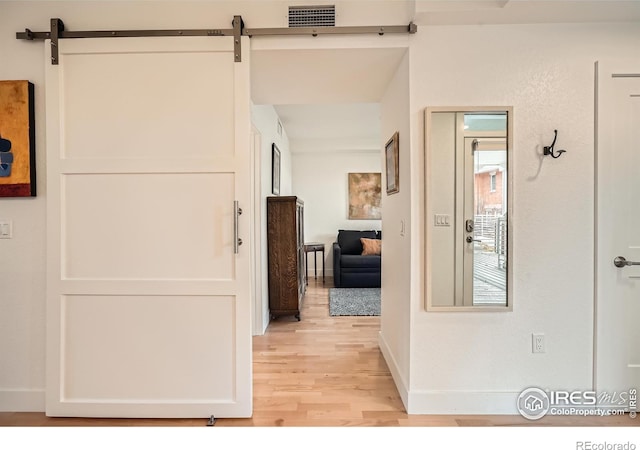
(17, 139)
(365, 196)
(275, 170)
(392, 161)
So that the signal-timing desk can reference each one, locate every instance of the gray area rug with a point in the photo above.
(354, 301)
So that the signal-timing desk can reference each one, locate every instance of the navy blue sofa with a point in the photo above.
(350, 267)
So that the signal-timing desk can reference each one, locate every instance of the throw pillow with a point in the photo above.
(349, 241)
(371, 246)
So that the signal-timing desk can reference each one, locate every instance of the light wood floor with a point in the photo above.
(322, 371)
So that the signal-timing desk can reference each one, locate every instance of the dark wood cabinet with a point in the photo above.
(285, 241)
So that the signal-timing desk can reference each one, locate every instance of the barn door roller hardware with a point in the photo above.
(58, 32)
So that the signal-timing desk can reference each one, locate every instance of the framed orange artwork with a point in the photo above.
(17, 140)
(365, 196)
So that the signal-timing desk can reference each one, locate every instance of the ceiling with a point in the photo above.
(460, 12)
(332, 127)
(320, 105)
(298, 77)
(314, 93)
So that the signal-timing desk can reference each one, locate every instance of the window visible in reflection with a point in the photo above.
(489, 211)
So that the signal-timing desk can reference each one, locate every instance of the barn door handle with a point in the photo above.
(621, 261)
(237, 242)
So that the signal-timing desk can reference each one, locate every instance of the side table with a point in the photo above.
(313, 247)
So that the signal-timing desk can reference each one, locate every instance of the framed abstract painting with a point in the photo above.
(365, 196)
(17, 140)
(275, 170)
(392, 160)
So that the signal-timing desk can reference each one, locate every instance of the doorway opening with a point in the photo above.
(324, 113)
(483, 237)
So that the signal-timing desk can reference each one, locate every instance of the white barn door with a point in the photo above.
(148, 308)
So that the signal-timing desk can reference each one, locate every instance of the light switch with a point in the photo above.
(442, 220)
(6, 231)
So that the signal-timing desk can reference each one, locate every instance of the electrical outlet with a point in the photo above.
(537, 341)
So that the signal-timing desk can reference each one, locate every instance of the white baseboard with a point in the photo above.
(399, 380)
(22, 400)
(447, 402)
(462, 402)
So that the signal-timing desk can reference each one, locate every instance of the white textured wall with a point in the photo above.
(265, 119)
(479, 362)
(397, 248)
(320, 179)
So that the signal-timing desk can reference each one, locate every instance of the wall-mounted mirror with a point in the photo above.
(468, 194)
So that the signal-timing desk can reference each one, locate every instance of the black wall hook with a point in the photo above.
(549, 150)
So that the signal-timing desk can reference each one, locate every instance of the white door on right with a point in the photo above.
(618, 227)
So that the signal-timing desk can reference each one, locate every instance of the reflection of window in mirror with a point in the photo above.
(467, 206)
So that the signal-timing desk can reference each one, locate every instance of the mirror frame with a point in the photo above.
(428, 211)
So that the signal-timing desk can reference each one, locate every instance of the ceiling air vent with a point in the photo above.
(312, 16)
